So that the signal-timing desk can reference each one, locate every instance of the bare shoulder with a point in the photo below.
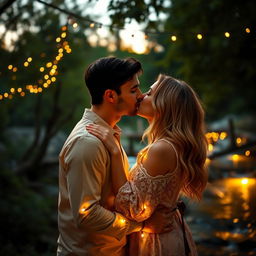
(161, 159)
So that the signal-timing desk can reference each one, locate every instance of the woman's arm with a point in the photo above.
(117, 167)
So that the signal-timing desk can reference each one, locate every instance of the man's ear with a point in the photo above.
(110, 96)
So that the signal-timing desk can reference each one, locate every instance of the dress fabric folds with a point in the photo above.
(139, 197)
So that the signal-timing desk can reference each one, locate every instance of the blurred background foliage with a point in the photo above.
(220, 69)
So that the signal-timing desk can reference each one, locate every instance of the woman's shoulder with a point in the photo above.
(161, 158)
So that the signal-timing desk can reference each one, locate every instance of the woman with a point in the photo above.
(173, 163)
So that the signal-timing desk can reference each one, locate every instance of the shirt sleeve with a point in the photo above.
(86, 164)
(138, 198)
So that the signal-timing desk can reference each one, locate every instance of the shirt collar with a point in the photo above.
(89, 114)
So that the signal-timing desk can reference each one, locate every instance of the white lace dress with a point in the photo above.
(139, 197)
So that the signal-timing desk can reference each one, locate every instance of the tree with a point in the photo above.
(221, 69)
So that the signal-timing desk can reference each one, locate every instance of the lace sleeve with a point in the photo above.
(138, 197)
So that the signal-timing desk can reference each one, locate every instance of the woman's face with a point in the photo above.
(146, 109)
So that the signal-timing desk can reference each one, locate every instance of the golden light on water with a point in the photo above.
(245, 181)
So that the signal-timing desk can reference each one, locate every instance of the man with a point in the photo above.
(88, 224)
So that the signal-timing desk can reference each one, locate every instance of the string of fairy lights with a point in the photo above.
(49, 70)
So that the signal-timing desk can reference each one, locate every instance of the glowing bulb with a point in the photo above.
(244, 181)
(1, 97)
(10, 67)
(49, 64)
(29, 59)
(26, 64)
(223, 135)
(64, 28)
(75, 25)
(58, 39)
(63, 35)
(12, 90)
(173, 38)
(247, 152)
(247, 30)
(238, 140)
(53, 79)
(199, 36)
(14, 69)
(19, 89)
(142, 235)
(236, 220)
(41, 69)
(40, 89)
(227, 34)
(22, 94)
(92, 25)
(46, 77)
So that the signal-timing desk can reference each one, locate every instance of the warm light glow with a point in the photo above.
(75, 25)
(41, 69)
(53, 79)
(22, 94)
(223, 135)
(1, 97)
(173, 38)
(199, 36)
(236, 220)
(64, 28)
(247, 30)
(235, 157)
(12, 90)
(227, 34)
(63, 35)
(244, 181)
(19, 89)
(238, 141)
(210, 147)
(29, 59)
(92, 25)
(207, 161)
(247, 152)
(10, 67)
(6, 95)
(142, 235)
(49, 64)
(26, 64)
(122, 221)
(14, 69)
(58, 39)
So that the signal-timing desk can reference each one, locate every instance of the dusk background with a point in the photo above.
(45, 47)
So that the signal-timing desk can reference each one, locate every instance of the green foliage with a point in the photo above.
(27, 224)
(220, 69)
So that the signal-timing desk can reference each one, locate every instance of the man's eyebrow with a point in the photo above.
(135, 86)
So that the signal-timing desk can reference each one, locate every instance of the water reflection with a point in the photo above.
(226, 217)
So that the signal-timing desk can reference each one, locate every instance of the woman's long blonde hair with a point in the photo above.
(179, 117)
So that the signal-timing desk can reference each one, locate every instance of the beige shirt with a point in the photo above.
(87, 222)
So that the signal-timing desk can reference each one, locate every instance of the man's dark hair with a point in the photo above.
(109, 73)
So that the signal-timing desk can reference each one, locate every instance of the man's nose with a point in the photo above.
(140, 96)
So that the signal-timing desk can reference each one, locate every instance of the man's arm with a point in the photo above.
(86, 169)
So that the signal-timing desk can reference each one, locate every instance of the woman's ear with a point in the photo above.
(110, 96)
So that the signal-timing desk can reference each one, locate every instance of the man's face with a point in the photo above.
(128, 100)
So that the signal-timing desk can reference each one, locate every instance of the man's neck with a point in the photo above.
(106, 114)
